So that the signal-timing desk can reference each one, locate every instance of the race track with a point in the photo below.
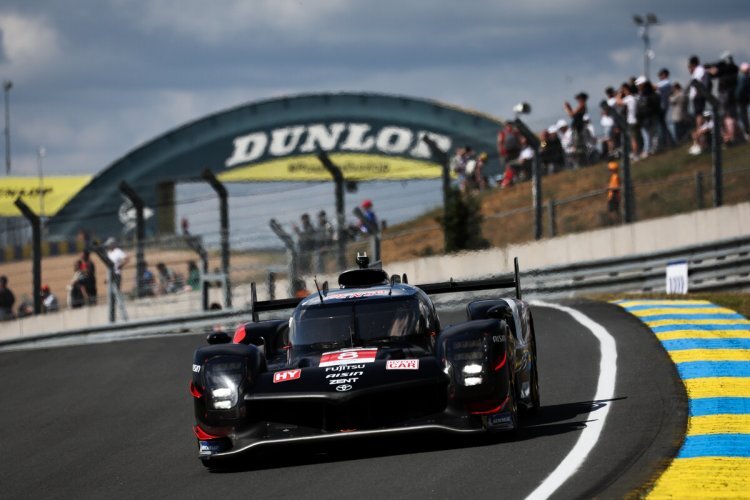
(115, 420)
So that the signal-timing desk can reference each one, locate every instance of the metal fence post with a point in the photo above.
(444, 161)
(114, 297)
(552, 218)
(699, 189)
(36, 266)
(140, 262)
(271, 285)
(628, 215)
(717, 172)
(195, 244)
(536, 186)
(338, 179)
(221, 191)
(291, 252)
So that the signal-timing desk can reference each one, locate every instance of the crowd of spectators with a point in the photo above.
(659, 115)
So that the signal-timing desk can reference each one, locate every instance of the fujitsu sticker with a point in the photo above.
(402, 364)
(348, 357)
(286, 375)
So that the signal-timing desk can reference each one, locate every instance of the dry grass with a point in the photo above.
(664, 184)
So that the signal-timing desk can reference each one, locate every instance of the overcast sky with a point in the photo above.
(93, 79)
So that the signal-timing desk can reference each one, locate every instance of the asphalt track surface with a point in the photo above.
(115, 420)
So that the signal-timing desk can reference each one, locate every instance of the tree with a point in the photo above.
(462, 223)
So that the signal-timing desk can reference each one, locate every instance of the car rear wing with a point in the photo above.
(258, 306)
(475, 285)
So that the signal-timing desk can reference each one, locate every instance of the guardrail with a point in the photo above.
(721, 265)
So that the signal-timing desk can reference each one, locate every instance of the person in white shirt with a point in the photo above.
(118, 257)
(697, 101)
(626, 97)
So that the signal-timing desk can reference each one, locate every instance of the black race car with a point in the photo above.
(370, 357)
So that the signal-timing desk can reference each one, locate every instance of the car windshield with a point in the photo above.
(355, 323)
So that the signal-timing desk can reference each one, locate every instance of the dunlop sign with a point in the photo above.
(360, 150)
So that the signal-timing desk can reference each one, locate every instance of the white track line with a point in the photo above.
(604, 390)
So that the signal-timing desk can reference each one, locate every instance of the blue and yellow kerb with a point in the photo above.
(710, 346)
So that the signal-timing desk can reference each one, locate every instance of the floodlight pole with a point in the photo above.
(644, 24)
(7, 85)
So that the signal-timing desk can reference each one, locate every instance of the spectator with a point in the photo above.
(471, 166)
(508, 144)
(607, 122)
(508, 177)
(88, 270)
(458, 164)
(648, 111)
(702, 134)
(678, 112)
(578, 127)
(551, 151)
(626, 98)
(49, 300)
(25, 308)
(697, 101)
(725, 72)
(7, 299)
(325, 236)
(169, 281)
(76, 296)
(305, 243)
(193, 276)
(480, 180)
(565, 134)
(148, 282)
(369, 213)
(664, 90)
(590, 142)
(119, 260)
(613, 187)
(743, 97)
(524, 163)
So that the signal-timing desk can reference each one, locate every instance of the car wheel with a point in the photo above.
(535, 399)
(514, 414)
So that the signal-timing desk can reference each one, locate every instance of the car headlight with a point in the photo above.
(223, 381)
(468, 357)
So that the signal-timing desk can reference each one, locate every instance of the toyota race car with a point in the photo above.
(369, 357)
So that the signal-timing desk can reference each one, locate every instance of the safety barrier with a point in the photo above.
(723, 265)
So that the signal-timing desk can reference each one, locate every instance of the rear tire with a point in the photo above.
(535, 397)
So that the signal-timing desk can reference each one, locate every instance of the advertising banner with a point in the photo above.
(56, 191)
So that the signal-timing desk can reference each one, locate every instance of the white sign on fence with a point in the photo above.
(677, 277)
